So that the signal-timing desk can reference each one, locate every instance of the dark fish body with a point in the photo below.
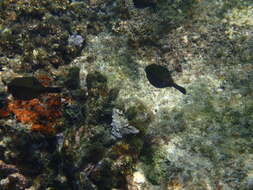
(141, 4)
(27, 88)
(160, 77)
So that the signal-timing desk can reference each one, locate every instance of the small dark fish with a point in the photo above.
(141, 4)
(160, 77)
(27, 88)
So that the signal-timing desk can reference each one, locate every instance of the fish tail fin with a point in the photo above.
(180, 88)
(53, 90)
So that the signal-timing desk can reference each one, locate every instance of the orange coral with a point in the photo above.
(41, 112)
(43, 129)
(25, 116)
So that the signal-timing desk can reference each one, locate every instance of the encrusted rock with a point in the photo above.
(6, 169)
(120, 125)
(14, 181)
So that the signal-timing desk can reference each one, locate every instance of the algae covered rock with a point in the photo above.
(120, 125)
(35, 31)
(73, 79)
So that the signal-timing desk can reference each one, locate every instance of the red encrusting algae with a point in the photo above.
(42, 113)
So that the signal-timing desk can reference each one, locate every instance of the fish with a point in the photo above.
(141, 4)
(27, 88)
(160, 77)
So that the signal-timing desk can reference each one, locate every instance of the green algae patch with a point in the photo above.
(153, 161)
(139, 116)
